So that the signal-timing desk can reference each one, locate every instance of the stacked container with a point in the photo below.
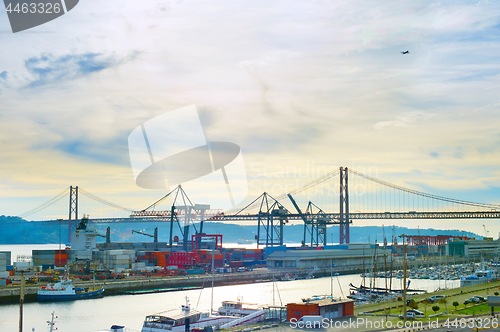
(48, 259)
(7, 256)
(4, 274)
(116, 259)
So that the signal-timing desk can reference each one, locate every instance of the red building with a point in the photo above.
(326, 308)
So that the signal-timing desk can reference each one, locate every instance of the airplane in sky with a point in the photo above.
(405, 52)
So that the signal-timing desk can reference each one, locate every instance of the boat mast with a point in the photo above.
(212, 294)
(331, 277)
(385, 258)
(375, 264)
(390, 278)
(364, 272)
(51, 323)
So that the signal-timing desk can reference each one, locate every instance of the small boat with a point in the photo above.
(237, 308)
(184, 319)
(479, 277)
(244, 241)
(288, 277)
(319, 298)
(64, 290)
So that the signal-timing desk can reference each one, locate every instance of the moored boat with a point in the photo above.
(237, 308)
(180, 320)
(479, 277)
(64, 290)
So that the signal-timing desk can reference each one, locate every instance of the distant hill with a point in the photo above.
(15, 230)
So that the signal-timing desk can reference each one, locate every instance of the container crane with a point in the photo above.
(486, 237)
(155, 235)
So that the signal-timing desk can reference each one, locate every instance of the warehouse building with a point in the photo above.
(474, 248)
(344, 255)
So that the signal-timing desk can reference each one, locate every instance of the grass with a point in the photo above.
(452, 295)
(482, 308)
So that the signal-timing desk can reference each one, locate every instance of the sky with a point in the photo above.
(298, 86)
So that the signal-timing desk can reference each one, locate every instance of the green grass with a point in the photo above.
(479, 309)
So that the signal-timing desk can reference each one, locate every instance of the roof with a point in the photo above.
(175, 314)
(326, 302)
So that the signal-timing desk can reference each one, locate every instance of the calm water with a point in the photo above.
(130, 310)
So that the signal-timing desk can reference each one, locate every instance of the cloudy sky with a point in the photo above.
(311, 84)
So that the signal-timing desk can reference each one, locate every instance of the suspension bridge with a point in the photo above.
(336, 198)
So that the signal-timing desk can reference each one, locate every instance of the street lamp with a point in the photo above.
(22, 268)
(404, 277)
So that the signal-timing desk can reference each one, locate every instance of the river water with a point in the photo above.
(130, 310)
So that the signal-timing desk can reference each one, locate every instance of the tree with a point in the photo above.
(465, 303)
(387, 311)
(444, 301)
(413, 305)
(455, 304)
(496, 293)
(435, 308)
(426, 303)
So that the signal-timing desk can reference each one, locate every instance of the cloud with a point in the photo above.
(47, 69)
(403, 120)
(290, 82)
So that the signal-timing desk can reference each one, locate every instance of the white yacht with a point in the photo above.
(177, 319)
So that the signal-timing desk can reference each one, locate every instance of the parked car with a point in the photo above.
(428, 300)
(472, 300)
(480, 298)
(241, 269)
(412, 314)
(418, 313)
(436, 298)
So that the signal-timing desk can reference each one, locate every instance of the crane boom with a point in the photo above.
(155, 235)
(297, 208)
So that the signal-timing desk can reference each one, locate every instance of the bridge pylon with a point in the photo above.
(344, 207)
(73, 208)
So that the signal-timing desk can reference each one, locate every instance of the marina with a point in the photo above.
(130, 311)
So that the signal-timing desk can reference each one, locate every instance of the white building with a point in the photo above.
(346, 255)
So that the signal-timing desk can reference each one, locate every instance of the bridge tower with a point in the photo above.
(344, 207)
(73, 208)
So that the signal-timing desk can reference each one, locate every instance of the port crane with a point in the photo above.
(316, 221)
(486, 237)
(107, 236)
(155, 235)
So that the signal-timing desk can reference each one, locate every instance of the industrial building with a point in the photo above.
(343, 255)
(474, 248)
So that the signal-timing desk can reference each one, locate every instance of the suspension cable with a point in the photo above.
(419, 193)
(100, 200)
(50, 202)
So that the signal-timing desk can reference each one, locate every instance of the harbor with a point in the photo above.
(130, 311)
